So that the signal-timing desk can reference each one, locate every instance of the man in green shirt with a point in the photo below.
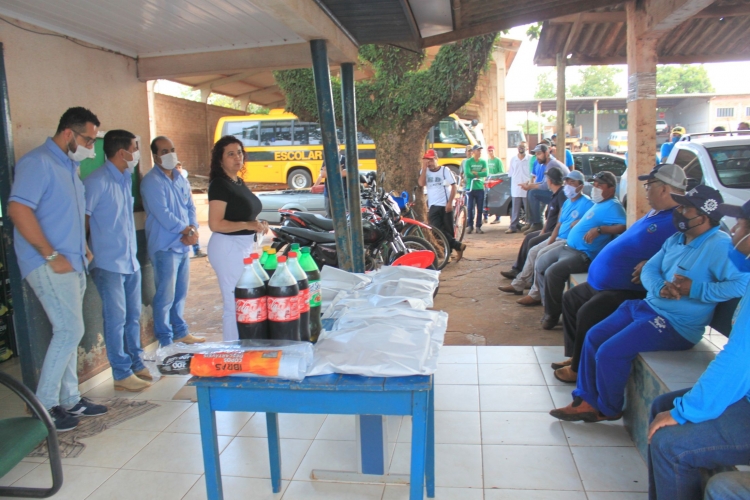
(494, 166)
(475, 170)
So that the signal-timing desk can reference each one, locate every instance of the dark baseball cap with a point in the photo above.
(476, 147)
(605, 177)
(555, 174)
(705, 199)
(543, 148)
(669, 174)
(743, 212)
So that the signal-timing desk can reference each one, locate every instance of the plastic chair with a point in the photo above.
(20, 435)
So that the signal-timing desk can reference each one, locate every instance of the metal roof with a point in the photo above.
(577, 104)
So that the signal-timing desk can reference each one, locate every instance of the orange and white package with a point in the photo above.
(224, 363)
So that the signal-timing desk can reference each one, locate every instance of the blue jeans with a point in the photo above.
(61, 296)
(729, 486)
(121, 310)
(535, 201)
(677, 453)
(172, 277)
(613, 344)
(476, 200)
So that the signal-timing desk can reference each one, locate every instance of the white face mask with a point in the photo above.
(169, 161)
(596, 195)
(184, 173)
(81, 153)
(570, 191)
(136, 158)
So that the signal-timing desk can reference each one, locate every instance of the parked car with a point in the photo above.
(662, 127)
(291, 199)
(618, 142)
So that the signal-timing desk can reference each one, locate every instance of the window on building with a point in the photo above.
(747, 111)
(724, 112)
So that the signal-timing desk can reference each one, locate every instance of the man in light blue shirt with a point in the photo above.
(684, 281)
(115, 269)
(47, 209)
(171, 229)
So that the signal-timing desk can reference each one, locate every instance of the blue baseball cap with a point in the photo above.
(743, 212)
(575, 175)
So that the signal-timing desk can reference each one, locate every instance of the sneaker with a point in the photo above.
(470, 230)
(198, 255)
(87, 408)
(496, 221)
(479, 230)
(191, 339)
(63, 420)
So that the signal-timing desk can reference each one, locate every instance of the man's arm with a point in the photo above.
(155, 197)
(25, 221)
(555, 232)
(651, 276)
(422, 181)
(449, 202)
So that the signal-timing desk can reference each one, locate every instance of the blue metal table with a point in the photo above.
(326, 394)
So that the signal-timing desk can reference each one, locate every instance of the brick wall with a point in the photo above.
(191, 127)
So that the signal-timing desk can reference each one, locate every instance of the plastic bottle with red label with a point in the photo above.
(304, 295)
(262, 274)
(251, 304)
(283, 304)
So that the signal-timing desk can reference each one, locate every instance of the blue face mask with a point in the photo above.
(739, 259)
(675, 139)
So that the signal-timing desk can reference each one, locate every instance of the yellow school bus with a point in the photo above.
(280, 148)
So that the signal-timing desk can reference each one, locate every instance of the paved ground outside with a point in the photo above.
(479, 314)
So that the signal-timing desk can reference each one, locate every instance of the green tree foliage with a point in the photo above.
(683, 79)
(534, 31)
(596, 81)
(545, 89)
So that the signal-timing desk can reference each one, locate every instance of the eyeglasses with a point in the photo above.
(89, 140)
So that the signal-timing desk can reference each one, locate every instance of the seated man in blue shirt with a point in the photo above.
(47, 209)
(171, 229)
(708, 425)
(614, 275)
(684, 282)
(597, 227)
(115, 269)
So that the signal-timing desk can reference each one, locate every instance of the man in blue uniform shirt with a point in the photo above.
(707, 426)
(47, 209)
(684, 282)
(115, 269)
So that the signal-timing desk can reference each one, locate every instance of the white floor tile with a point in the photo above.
(248, 457)
(164, 389)
(451, 427)
(398, 492)
(238, 488)
(530, 467)
(611, 469)
(506, 354)
(456, 465)
(561, 394)
(533, 495)
(549, 377)
(549, 354)
(514, 398)
(151, 485)
(106, 390)
(457, 354)
(181, 453)
(18, 472)
(328, 455)
(600, 434)
(338, 428)
(158, 419)
(456, 375)
(112, 448)
(78, 482)
(228, 423)
(457, 398)
(616, 495)
(291, 425)
(510, 374)
(526, 428)
(306, 490)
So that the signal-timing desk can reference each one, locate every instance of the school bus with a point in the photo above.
(280, 148)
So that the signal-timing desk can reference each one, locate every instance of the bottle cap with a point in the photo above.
(266, 248)
(271, 251)
(254, 256)
(281, 259)
(295, 246)
(305, 249)
(292, 255)
(248, 260)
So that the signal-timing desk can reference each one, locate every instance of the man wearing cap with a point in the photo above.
(666, 148)
(441, 189)
(518, 174)
(494, 167)
(475, 170)
(575, 205)
(614, 275)
(601, 223)
(538, 194)
(706, 426)
(684, 282)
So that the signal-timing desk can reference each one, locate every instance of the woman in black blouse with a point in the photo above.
(232, 213)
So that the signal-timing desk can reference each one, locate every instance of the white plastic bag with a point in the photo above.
(346, 301)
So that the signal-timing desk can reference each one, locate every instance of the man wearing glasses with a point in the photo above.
(47, 207)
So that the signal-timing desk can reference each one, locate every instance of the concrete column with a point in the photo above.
(151, 112)
(561, 108)
(539, 122)
(501, 109)
(595, 144)
(641, 53)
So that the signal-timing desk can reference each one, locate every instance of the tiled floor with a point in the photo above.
(494, 440)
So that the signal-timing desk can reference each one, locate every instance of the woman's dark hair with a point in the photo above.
(217, 153)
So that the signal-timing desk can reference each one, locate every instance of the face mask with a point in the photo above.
(596, 195)
(81, 153)
(675, 139)
(184, 173)
(169, 161)
(570, 191)
(132, 163)
(739, 259)
(681, 222)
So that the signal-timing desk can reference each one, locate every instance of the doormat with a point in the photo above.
(118, 411)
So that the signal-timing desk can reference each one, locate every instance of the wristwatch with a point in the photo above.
(191, 232)
(599, 229)
(52, 256)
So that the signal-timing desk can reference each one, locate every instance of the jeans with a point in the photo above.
(518, 202)
(442, 220)
(61, 296)
(583, 307)
(678, 452)
(613, 344)
(729, 486)
(552, 272)
(121, 310)
(196, 249)
(536, 199)
(476, 200)
(172, 277)
(525, 277)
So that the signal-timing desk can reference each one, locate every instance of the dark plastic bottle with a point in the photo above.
(308, 265)
(304, 295)
(251, 304)
(283, 304)
(271, 262)
(262, 274)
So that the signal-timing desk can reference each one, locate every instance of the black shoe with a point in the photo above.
(534, 227)
(63, 420)
(479, 230)
(511, 275)
(548, 322)
(87, 408)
